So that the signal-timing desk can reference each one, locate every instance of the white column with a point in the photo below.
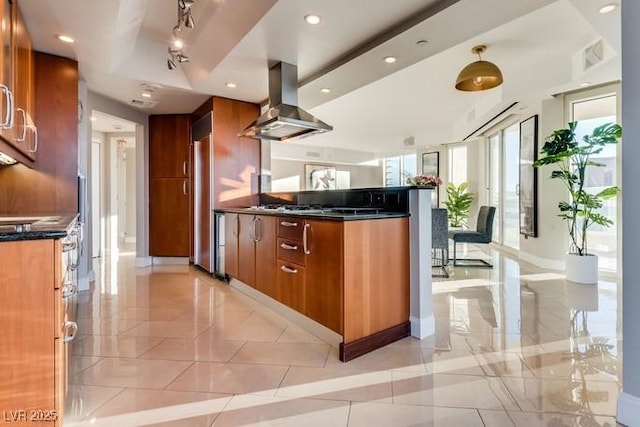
(421, 304)
(629, 400)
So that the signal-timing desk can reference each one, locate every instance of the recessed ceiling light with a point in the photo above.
(390, 59)
(230, 85)
(325, 90)
(312, 19)
(421, 43)
(585, 84)
(608, 8)
(64, 38)
(146, 94)
(94, 118)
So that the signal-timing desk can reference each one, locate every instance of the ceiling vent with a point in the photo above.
(143, 104)
(409, 142)
(592, 55)
(314, 154)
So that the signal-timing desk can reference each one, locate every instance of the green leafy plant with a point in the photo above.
(458, 204)
(572, 158)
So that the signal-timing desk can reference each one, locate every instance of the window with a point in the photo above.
(591, 112)
(397, 169)
(458, 164)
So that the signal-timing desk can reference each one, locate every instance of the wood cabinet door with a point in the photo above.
(231, 244)
(6, 64)
(323, 297)
(27, 359)
(169, 139)
(291, 285)
(266, 255)
(23, 85)
(246, 249)
(169, 217)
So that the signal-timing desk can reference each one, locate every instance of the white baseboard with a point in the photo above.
(322, 332)
(130, 239)
(145, 261)
(422, 327)
(170, 260)
(550, 264)
(628, 410)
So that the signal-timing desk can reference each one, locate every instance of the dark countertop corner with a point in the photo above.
(36, 227)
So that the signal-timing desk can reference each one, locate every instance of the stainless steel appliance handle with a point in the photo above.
(305, 236)
(184, 187)
(72, 243)
(24, 125)
(11, 115)
(72, 327)
(288, 224)
(184, 168)
(288, 270)
(288, 247)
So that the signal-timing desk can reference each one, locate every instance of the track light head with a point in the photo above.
(171, 65)
(181, 57)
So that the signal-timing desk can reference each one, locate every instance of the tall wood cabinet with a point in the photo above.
(169, 187)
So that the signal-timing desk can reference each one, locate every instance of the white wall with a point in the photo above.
(288, 175)
(130, 195)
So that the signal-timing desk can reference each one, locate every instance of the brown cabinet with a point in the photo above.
(266, 254)
(168, 211)
(32, 351)
(25, 130)
(169, 195)
(17, 99)
(246, 249)
(256, 251)
(323, 270)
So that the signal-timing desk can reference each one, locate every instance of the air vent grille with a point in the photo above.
(143, 104)
(593, 55)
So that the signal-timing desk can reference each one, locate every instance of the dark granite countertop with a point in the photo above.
(36, 227)
(332, 214)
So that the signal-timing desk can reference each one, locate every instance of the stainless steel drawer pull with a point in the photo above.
(288, 247)
(288, 270)
(70, 246)
(288, 224)
(69, 289)
(69, 328)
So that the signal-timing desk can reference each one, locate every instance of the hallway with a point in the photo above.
(514, 346)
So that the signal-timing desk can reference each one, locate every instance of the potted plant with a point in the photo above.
(458, 204)
(572, 159)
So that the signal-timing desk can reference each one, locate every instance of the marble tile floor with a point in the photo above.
(514, 346)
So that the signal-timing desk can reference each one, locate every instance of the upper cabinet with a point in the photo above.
(17, 82)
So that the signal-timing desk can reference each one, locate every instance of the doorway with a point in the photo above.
(113, 184)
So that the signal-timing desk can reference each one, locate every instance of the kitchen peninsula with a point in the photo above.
(339, 262)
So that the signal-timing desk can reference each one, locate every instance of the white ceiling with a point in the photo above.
(373, 106)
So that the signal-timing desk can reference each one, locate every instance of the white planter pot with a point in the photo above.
(582, 269)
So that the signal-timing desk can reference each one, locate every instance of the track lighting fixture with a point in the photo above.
(185, 20)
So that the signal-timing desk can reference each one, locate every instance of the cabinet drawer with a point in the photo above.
(291, 250)
(291, 285)
(290, 228)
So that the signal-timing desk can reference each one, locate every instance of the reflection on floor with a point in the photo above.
(514, 346)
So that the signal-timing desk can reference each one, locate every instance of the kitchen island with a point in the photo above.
(344, 273)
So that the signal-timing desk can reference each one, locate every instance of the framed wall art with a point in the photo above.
(320, 177)
(528, 189)
(431, 164)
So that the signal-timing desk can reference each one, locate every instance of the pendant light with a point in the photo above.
(479, 75)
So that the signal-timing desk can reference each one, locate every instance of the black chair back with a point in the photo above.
(485, 221)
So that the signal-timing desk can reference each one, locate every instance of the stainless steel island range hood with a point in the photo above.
(284, 120)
